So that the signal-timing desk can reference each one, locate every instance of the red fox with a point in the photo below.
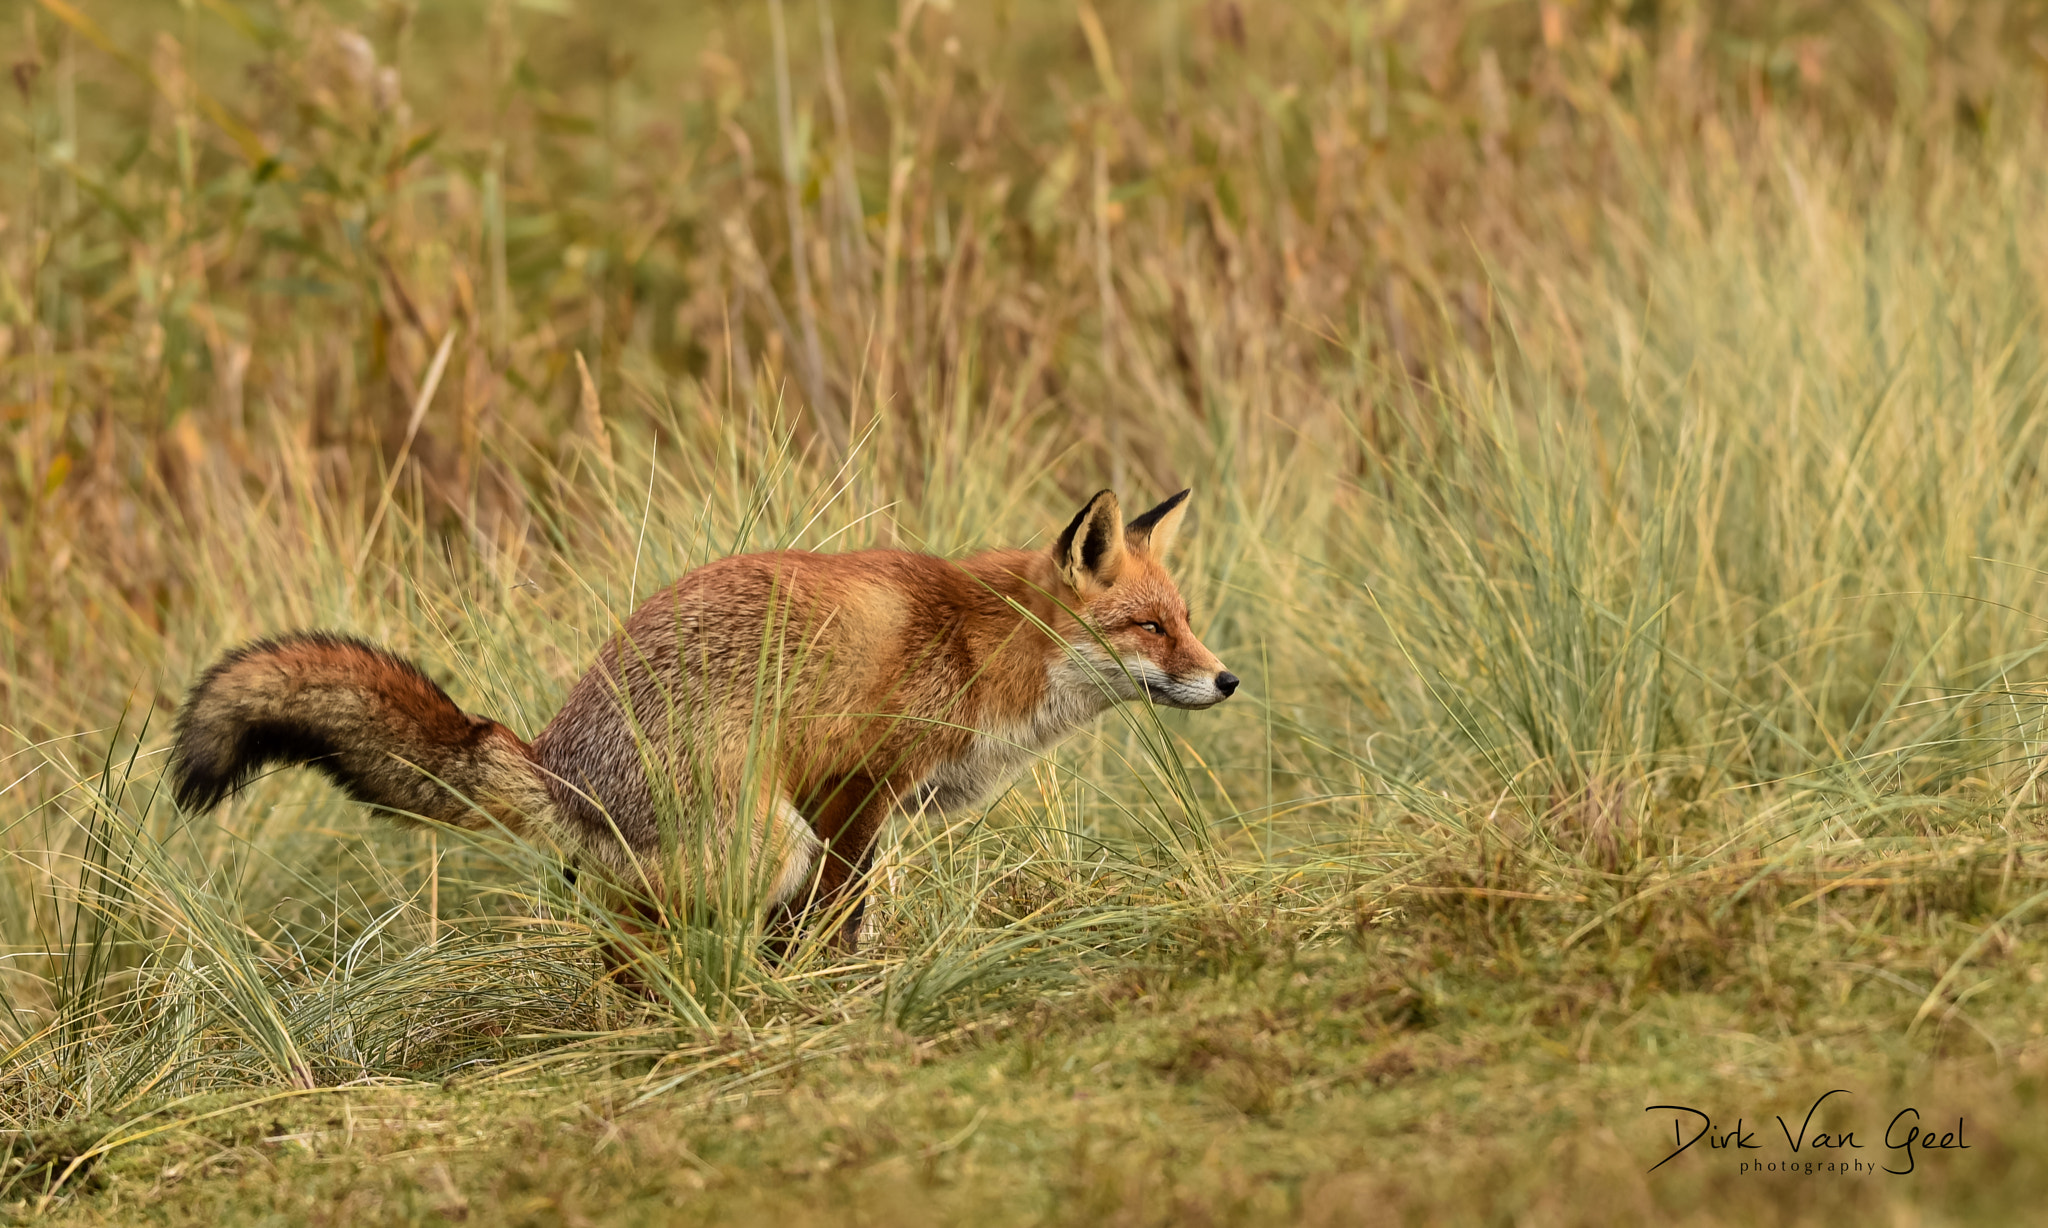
(793, 700)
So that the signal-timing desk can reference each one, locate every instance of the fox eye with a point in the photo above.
(1154, 628)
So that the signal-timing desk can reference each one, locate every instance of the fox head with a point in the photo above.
(1129, 605)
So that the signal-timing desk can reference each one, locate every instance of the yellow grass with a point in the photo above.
(1615, 433)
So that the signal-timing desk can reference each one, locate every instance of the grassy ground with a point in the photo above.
(1615, 435)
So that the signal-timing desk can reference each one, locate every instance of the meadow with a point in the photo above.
(1616, 437)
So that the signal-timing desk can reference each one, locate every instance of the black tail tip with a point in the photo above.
(197, 785)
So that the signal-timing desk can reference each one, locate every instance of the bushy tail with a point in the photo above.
(375, 724)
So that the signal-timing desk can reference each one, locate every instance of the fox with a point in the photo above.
(792, 700)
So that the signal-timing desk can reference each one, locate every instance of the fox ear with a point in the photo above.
(1155, 530)
(1091, 551)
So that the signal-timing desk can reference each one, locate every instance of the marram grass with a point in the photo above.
(1615, 435)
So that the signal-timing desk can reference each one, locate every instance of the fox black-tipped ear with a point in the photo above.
(1155, 530)
(1091, 550)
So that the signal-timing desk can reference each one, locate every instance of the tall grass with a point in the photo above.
(1615, 436)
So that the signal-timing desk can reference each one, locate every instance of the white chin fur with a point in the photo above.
(1135, 678)
(1192, 693)
(1185, 696)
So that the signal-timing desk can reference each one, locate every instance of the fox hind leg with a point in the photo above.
(795, 848)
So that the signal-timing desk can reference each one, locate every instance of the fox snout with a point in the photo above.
(1193, 693)
(1223, 685)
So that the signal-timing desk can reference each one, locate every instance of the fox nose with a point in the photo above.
(1226, 682)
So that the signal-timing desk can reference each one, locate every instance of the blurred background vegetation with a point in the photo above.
(1615, 430)
(234, 231)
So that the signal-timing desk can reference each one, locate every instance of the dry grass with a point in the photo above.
(1615, 436)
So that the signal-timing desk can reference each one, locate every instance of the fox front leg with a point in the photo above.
(848, 820)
